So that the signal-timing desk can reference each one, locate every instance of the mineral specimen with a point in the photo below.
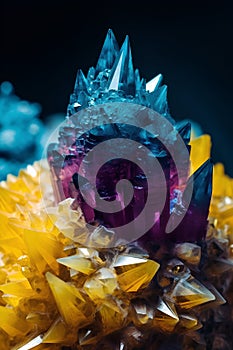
(64, 285)
(115, 88)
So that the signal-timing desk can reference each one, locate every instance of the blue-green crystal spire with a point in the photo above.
(109, 53)
(154, 83)
(114, 78)
(81, 83)
(122, 75)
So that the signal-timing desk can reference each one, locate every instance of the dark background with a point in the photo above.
(189, 42)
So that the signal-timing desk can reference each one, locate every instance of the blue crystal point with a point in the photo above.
(139, 83)
(81, 83)
(202, 187)
(160, 104)
(154, 83)
(115, 78)
(109, 53)
(122, 75)
(184, 129)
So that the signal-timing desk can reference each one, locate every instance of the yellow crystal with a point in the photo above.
(134, 273)
(78, 263)
(54, 288)
(43, 249)
(12, 324)
(58, 333)
(69, 300)
(165, 316)
(189, 293)
(200, 151)
(101, 284)
(222, 184)
(113, 315)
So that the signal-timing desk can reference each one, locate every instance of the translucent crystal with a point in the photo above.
(78, 263)
(101, 284)
(188, 252)
(144, 313)
(59, 333)
(189, 293)
(108, 53)
(134, 273)
(165, 316)
(19, 121)
(69, 300)
(64, 285)
(113, 315)
(115, 80)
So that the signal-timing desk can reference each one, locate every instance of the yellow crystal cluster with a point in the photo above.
(51, 287)
(56, 291)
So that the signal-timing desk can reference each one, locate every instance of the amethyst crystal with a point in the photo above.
(114, 83)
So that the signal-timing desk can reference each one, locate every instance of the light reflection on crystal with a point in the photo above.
(56, 292)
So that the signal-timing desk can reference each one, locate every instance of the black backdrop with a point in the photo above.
(189, 42)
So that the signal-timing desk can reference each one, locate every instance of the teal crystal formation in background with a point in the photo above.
(115, 80)
(20, 132)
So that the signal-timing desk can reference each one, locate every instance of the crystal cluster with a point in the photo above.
(56, 292)
(115, 80)
(18, 121)
(64, 286)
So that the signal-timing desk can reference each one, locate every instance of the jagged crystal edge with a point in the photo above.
(115, 79)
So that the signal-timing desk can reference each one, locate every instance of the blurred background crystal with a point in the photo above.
(20, 131)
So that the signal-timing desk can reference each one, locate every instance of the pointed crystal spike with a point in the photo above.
(184, 129)
(108, 53)
(154, 83)
(60, 332)
(165, 316)
(32, 343)
(81, 83)
(78, 263)
(122, 76)
(190, 293)
(43, 249)
(198, 209)
(115, 79)
(202, 187)
(134, 273)
(138, 81)
(69, 300)
(160, 104)
(91, 74)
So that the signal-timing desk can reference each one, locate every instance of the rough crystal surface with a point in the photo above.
(115, 80)
(61, 289)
